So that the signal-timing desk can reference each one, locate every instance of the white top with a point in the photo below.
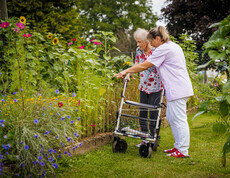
(170, 61)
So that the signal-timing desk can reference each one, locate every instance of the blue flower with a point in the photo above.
(40, 157)
(73, 148)
(1, 121)
(51, 159)
(58, 114)
(56, 137)
(55, 165)
(65, 152)
(3, 125)
(3, 100)
(57, 91)
(68, 116)
(59, 156)
(73, 94)
(50, 151)
(77, 110)
(22, 165)
(80, 144)
(69, 154)
(26, 147)
(1, 156)
(76, 134)
(78, 119)
(47, 132)
(76, 146)
(36, 162)
(63, 118)
(3, 95)
(71, 122)
(35, 136)
(7, 152)
(14, 93)
(5, 136)
(69, 139)
(42, 163)
(15, 100)
(0, 73)
(35, 121)
(21, 89)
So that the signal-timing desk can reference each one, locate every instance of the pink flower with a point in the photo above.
(81, 47)
(25, 35)
(91, 40)
(20, 25)
(92, 125)
(70, 43)
(16, 29)
(74, 39)
(216, 84)
(97, 43)
(4, 24)
(79, 102)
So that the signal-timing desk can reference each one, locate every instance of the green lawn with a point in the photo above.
(205, 157)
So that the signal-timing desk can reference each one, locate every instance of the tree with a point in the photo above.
(194, 17)
(3, 9)
(121, 17)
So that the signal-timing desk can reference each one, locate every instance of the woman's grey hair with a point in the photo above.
(141, 34)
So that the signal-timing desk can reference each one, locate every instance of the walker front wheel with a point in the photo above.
(119, 146)
(145, 151)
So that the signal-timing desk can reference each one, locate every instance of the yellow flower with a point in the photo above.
(50, 36)
(55, 41)
(23, 19)
(128, 63)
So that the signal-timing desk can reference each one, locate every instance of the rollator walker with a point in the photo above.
(125, 129)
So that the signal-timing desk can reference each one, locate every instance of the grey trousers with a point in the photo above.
(152, 99)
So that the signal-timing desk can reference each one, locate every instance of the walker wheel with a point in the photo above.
(145, 151)
(119, 146)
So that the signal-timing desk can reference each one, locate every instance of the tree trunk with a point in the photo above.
(3, 9)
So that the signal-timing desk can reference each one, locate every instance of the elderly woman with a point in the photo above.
(169, 58)
(150, 82)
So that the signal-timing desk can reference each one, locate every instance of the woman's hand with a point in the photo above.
(121, 74)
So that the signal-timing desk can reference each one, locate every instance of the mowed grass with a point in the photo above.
(205, 157)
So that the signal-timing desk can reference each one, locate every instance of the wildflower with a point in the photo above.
(49, 36)
(73, 94)
(97, 43)
(42, 163)
(2, 100)
(216, 84)
(70, 43)
(55, 41)
(68, 116)
(5, 136)
(21, 89)
(91, 40)
(58, 114)
(51, 159)
(76, 146)
(56, 137)
(55, 165)
(14, 93)
(63, 118)
(79, 102)
(15, 100)
(47, 132)
(23, 19)
(92, 125)
(69, 154)
(27, 36)
(78, 119)
(40, 157)
(22, 165)
(17, 30)
(59, 156)
(35, 162)
(77, 110)
(35, 121)
(71, 122)
(81, 47)
(69, 139)
(26, 147)
(57, 91)
(1, 121)
(60, 104)
(20, 25)
(80, 144)
(4, 24)
(76, 134)
(74, 39)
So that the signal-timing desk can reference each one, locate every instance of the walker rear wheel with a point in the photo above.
(119, 146)
(145, 151)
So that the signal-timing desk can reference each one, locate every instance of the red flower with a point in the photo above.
(92, 125)
(74, 39)
(151, 79)
(25, 35)
(91, 40)
(4, 24)
(79, 102)
(60, 104)
(81, 47)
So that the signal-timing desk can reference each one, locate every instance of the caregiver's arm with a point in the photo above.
(137, 68)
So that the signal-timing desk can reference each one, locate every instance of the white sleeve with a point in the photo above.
(157, 57)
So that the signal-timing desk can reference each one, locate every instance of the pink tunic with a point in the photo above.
(170, 61)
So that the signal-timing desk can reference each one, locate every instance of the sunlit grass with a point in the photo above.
(205, 157)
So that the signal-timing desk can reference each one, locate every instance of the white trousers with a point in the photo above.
(177, 118)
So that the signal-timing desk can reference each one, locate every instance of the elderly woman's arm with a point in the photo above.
(137, 68)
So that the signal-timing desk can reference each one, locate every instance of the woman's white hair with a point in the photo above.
(141, 34)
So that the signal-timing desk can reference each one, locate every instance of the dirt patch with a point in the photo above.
(90, 143)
